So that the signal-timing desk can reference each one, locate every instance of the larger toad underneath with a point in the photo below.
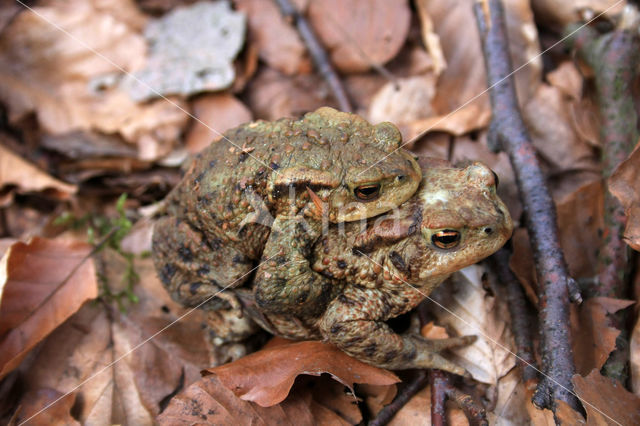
(245, 200)
(387, 267)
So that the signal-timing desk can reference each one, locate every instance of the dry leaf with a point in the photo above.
(461, 85)
(191, 50)
(430, 38)
(592, 337)
(59, 413)
(580, 221)
(59, 76)
(265, 377)
(220, 113)
(512, 400)
(42, 283)
(360, 33)
(522, 265)
(278, 43)
(624, 184)
(130, 368)
(606, 401)
(403, 100)
(548, 121)
(471, 311)
(272, 95)
(28, 178)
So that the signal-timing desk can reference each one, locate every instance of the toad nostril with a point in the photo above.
(488, 230)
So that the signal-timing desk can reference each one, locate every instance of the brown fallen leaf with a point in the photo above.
(119, 364)
(624, 184)
(580, 221)
(278, 42)
(70, 87)
(265, 377)
(593, 338)
(464, 78)
(606, 400)
(14, 171)
(272, 95)
(522, 265)
(220, 112)
(59, 414)
(42, 283)
(360, 33)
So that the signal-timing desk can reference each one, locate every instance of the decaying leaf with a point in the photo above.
(42, 283)
(471, 311)
(606, 400)
(625, 185)
(265, 377)
(360, 33)
(14, 171)
(592, 337)
(191, 50)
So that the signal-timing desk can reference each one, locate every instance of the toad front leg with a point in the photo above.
(285, 283)
(354, 322)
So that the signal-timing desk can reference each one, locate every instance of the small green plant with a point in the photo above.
(102, 232)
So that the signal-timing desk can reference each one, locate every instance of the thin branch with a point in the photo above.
(439, 385)
(508, 131)
(404, 395)
(318, 54)
(522, 321)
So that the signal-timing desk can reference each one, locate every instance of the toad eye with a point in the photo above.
(367, 192)
(446, 239)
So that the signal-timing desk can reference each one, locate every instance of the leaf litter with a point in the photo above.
(91, 139)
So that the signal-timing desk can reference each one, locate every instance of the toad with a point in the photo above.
(264, 193)
(386, 267)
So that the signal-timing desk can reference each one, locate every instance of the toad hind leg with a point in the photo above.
(192, 268)
(285, 283)
(354, 322)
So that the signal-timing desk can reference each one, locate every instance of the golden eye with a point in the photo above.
(367, 192)
(446, 239)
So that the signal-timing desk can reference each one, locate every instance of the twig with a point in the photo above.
(474, 411)
(507, 131)
(439, 384)
(387, 413)
(522, 321)
(614, 60)
(318, 54)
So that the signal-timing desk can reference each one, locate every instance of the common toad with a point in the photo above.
(386, 267)
(265, 195)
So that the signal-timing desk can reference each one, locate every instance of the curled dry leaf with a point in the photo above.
(605, 400)
(360, 33)
(278, 43)
(219, 112)
(624, 184)
(191, 50)
(461, 103)
(471, 311)
(591, 336)
(265, 377)
(14, 171)
(42, 283)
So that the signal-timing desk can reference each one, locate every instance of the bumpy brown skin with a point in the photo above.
(220, 222)
(394, 263)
